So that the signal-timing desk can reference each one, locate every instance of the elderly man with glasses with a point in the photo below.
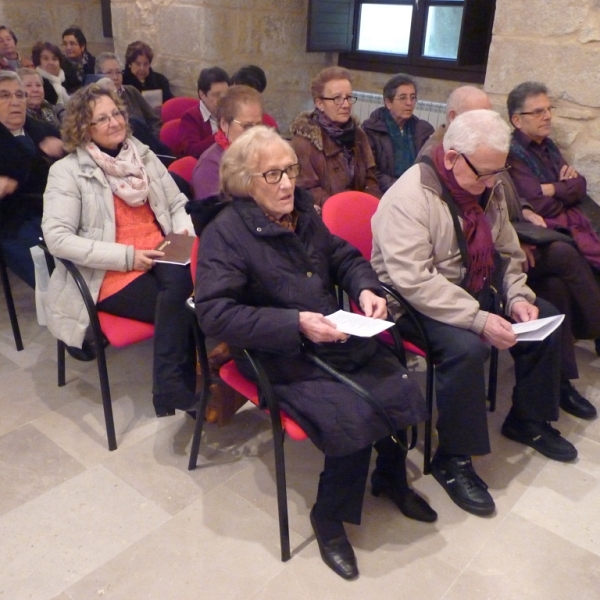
(27, 148)
(442, 238)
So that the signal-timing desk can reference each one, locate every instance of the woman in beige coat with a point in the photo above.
(106, 206)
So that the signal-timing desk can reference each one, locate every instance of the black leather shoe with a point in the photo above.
(86, 353)
(465, 488)
(411, 505)
(337, 553)
(574, 403)
(540, 436)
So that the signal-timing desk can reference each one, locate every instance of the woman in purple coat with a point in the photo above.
(266, 277)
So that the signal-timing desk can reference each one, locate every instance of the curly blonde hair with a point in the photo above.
(75, 128)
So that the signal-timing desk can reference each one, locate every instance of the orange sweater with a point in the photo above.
(137, 227)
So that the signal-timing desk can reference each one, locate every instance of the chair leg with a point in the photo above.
(429, 421)
(200, 417)
(282, 507)
(106, 398)
(493, 381)
(60, 359)
(10, 305)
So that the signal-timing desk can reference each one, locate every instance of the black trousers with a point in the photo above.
(562, 276)
(460, 356)
(158, 296)
(344, 478)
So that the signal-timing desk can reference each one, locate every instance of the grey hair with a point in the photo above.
(476, 129)
(389, 89)
(10, 76)
(102, 58)
(462, 99)
(517, 97)
(242, 158)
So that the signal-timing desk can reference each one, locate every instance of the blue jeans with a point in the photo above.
(15, 249)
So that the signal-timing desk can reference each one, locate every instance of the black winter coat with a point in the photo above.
(383, 149)
(253, 279)
(29, 169)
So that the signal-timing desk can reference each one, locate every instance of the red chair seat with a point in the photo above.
(121, 332)
(231, 376)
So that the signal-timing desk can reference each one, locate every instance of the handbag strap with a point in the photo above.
(358, 389)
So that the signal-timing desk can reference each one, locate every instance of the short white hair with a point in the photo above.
(477, 129)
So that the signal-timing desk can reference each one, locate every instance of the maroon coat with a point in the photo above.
(195, 133)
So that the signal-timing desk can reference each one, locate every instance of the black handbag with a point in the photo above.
(537, 236)
(348, 356)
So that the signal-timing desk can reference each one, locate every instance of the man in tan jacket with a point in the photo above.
(418, 249)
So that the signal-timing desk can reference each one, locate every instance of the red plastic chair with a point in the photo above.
(348, 215)
(281, 423)
(119, 331)
(175, 107)
(169, 135)
(184, 167)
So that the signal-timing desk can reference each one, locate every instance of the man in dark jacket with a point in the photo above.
(27, 148)
(394, 133)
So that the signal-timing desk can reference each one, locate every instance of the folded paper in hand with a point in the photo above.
(358, 325)
(177, 248)
(538, 330)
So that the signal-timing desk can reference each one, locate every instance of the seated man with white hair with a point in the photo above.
(442, 238)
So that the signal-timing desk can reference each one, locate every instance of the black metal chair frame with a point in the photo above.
(272, 405)
(99, 346)
(10, 304)
(425, 345)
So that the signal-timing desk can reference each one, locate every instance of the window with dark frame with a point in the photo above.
(444, 39)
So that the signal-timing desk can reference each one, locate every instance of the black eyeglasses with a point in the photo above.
(275, 175)
(483, 175)
(339, 100)
(539, 112)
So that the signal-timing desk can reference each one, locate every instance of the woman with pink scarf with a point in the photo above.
(107, 205)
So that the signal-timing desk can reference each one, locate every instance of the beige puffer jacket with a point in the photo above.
(415, 250)
(79, 225)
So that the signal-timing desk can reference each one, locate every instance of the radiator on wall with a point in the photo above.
(434, 112)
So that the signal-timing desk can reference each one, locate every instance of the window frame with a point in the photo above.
(474, 42)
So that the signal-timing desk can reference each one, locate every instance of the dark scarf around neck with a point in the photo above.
(538, 168)
(342, 135)
(403, 142)
(477, 230)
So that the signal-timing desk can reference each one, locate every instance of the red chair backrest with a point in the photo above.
(169, 135)
(348, 215)
(175, 107)
(184, 167)
(194, 259)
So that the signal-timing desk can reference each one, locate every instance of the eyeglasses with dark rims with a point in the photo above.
(483, 175)
(339, 100)
(275, 175)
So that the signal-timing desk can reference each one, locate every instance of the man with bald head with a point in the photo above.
(442, 238)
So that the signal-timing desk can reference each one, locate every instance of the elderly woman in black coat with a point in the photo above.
(265, 281)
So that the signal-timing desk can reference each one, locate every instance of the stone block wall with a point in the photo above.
(188, 35)
(35, 20)
(556, 42)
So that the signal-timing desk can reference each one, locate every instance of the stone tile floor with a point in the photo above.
(78, 522)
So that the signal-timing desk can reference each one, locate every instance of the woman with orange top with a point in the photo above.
(107, 205)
